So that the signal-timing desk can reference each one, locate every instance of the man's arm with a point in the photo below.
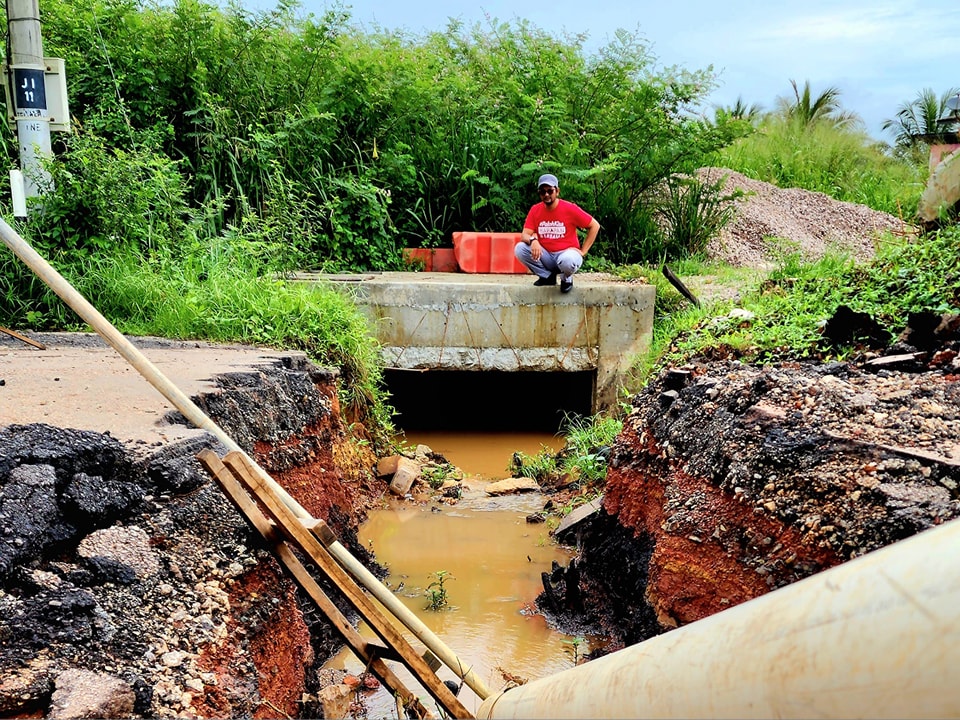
(530, 238)
(528, 234)
(592, 229)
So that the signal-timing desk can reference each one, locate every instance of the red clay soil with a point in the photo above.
(730, 480)
(696, 568)
(266, 616)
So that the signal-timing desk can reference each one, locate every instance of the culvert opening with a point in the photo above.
(487, 401)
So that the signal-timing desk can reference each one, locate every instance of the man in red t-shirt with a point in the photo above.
(550, 244)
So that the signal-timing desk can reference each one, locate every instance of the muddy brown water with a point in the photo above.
(493, 559)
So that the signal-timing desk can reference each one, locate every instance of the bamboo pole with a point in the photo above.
(56, 282)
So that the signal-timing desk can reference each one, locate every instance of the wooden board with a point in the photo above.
(364, 650)
(295, 532)
(22, 338)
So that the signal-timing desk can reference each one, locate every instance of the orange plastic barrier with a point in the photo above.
(478, 252)
(433, 259)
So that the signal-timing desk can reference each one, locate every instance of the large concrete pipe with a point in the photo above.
(876, 637)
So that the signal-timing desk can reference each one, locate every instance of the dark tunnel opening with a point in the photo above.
(487, 401)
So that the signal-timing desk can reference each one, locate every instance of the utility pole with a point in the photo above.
(28, 91)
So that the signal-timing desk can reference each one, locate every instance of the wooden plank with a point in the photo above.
(678, 284)
(369, 653)
(293, 528)
(907, 452)
(23, 338)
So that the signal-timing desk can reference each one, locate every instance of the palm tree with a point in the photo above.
(738, 111)
(825, 108)
(917, 122)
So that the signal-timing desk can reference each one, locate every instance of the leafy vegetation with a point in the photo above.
(348, 145)
(581, 463)
(786, 311)
(435, 474)
(437, 591)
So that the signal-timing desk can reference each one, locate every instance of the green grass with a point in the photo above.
(790, 306)
(222, 299)
(583, 457)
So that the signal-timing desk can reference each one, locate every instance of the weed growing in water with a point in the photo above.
(436, 474)
(540, 467)
(437, 593)
(574, 649)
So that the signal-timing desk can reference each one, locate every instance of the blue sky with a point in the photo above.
(879, 53)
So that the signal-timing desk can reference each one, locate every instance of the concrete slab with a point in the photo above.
(578, 516)
(502, 322)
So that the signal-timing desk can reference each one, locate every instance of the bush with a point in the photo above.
(106, 199)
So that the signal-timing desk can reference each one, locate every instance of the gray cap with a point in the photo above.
(550, 180)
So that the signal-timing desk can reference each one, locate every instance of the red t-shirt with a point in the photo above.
(557, 228)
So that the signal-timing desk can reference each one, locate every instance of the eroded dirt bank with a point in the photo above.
(730, 480)
(123, 569)
(130, 587)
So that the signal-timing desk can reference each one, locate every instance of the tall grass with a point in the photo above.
(840, 162)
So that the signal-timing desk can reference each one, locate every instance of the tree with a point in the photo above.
(916, 123)
(825, 108)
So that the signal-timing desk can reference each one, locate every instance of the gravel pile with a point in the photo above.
(770, 221)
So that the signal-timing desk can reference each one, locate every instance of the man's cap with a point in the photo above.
(548, 179)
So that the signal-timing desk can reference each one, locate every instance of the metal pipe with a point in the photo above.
(194, 414)
(876, 637)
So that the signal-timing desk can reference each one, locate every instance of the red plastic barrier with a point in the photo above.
(487, 252)
(433, 259)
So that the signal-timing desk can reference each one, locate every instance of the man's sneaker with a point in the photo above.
(551, 280)
(566, 285)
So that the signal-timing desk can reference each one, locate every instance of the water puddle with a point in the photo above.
(491, 560)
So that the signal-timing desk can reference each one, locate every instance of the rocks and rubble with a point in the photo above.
(130, 586)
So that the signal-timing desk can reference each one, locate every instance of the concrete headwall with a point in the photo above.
(460, 321)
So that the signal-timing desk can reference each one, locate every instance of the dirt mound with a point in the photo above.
(731, 479)
(771, 220)
(127, 579)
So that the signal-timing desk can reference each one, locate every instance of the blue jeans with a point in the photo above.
(566, 262)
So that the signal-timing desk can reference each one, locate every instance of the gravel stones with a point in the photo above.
(770, 219)
(128, 547)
